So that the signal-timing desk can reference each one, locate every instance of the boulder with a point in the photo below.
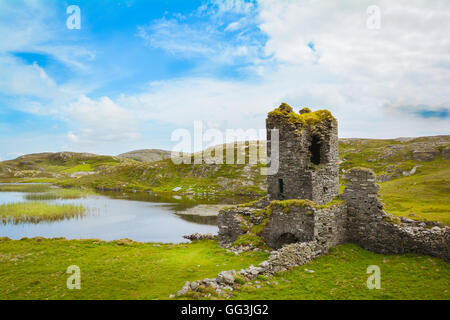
(226, 277)
(184, 290)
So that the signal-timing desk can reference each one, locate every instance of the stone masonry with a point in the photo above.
(308, 155)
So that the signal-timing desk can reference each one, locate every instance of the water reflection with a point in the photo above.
(208, 220)
(143, 216)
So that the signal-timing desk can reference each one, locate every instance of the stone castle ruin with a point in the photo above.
(304, 215)
(304, 206)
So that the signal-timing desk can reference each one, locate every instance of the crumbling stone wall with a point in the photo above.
(230, 225)
(329, 226)
(375, 230)
(285, 222)
(289, 225)
(308, 155)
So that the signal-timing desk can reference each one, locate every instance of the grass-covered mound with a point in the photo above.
(36, 212)
(36, 268)
(342, 275)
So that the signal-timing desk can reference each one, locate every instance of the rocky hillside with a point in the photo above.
(59, 165)
(393, 158)
(147, 155)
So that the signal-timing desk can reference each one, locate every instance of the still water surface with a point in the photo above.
(111, 216)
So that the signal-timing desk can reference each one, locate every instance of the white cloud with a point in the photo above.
(407, 61)
(175, 37)
(100, 121)
(221, 32)
(21, 79)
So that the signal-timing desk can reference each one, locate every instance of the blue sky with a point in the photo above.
(138, 70)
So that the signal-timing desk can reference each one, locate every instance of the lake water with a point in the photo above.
(112, 216)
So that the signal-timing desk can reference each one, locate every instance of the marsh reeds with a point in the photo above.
(36, 212)
(25, 187)
(55, 194)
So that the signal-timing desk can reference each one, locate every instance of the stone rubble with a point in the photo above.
(199, 236)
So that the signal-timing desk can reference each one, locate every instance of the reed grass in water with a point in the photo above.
(36, 212)
(58, 194)
(25, 187)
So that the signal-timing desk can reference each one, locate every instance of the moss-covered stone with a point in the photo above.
(249, 239)
(305, 203)
(306, 116)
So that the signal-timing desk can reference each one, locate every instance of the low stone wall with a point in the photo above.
(289, 256)
(200, 236)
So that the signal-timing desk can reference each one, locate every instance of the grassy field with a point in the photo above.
(36, 212)
(31, 269)
(36, 269)
(425, 194)
(342, 275)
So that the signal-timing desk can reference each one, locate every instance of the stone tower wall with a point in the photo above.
(298, 176)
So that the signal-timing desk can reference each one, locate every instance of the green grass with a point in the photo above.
(342, 275)
(79, 168)
(425, 194)
(36, 212)
(59, 194)
(37, 270)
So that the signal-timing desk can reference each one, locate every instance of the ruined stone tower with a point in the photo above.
(302, 214)
(308, 155)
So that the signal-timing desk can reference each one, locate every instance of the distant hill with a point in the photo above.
(57, 165)
(147, 155)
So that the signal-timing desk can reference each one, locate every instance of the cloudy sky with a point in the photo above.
(137, 70)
